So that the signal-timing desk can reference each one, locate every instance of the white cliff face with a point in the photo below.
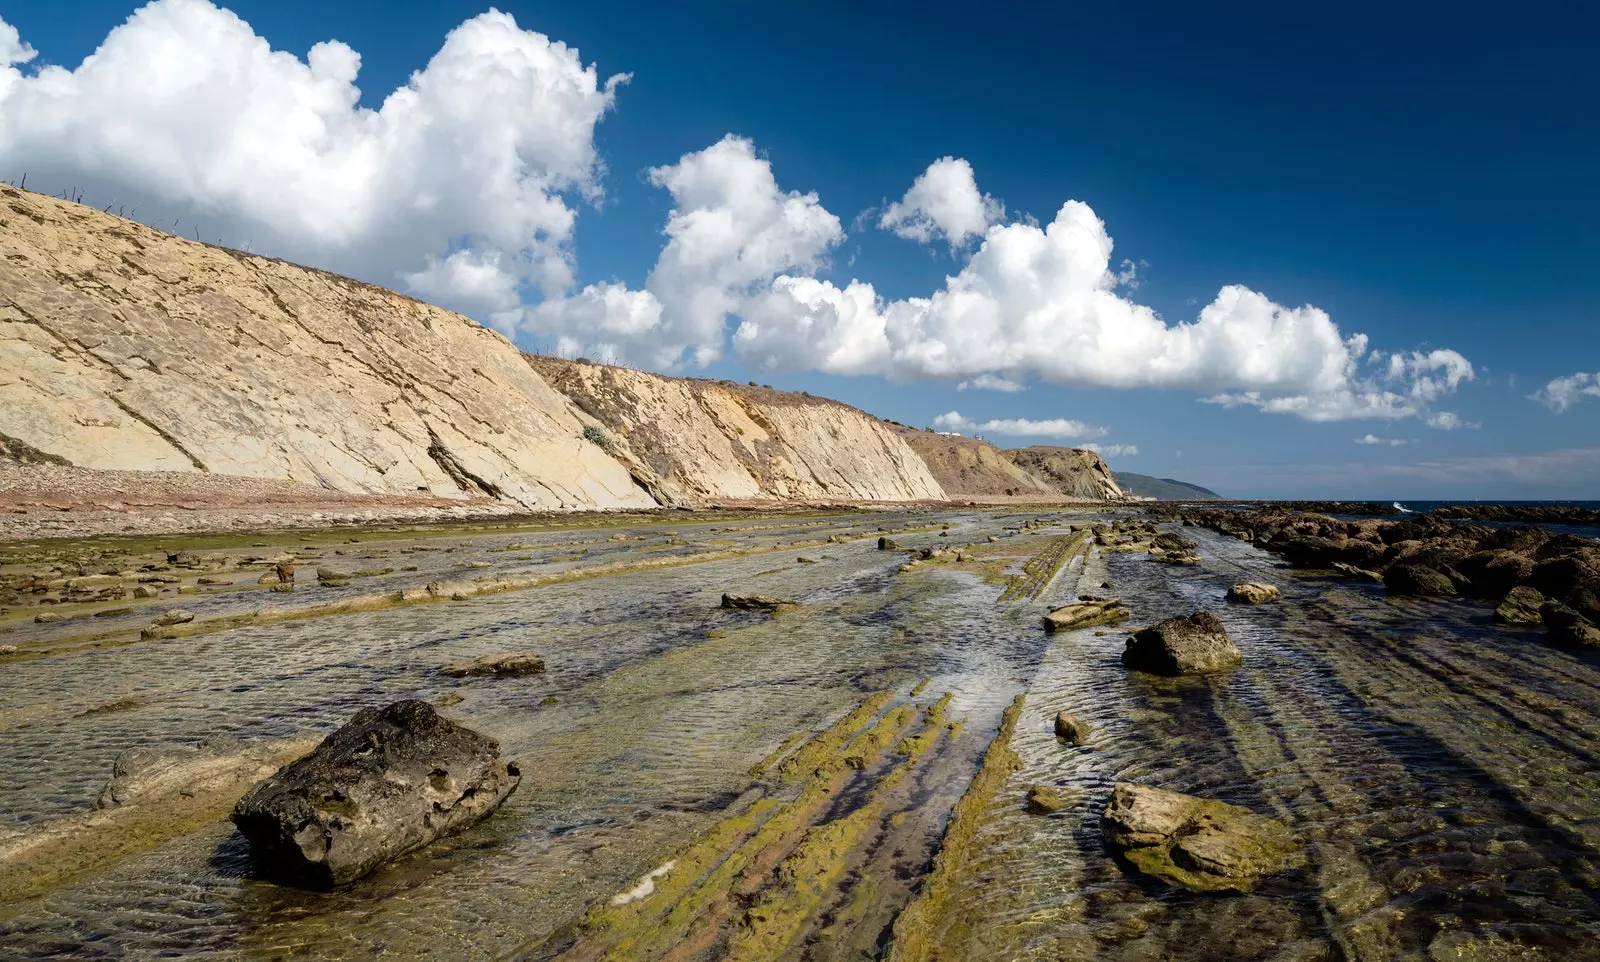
(698, 439)
(125, 348)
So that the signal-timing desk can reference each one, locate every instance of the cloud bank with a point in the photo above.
(1052, 428)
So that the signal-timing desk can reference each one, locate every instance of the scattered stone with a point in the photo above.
(1071, 729)
(1046, 799)
(1521, 606)
(447, 699)
(48, 617)
(6, 650)
(1196, 843)
(477, 564)
(388, 782)
(144, 591)
(1253, 592)
(113, 612)
(267, 578)
(1182, 646)
(283, 586)
(1352, 571)
(806, 561)
(330, 578)
(888, 544)
(511, 664)
(1085, 614)
(1418, 580)
(188, 590)
(176, 616)
(753, 602)
(214, 581)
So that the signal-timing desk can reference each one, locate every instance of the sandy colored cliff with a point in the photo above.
(695, 439)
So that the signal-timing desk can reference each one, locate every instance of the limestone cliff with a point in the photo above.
(1073, 472)
(693, 439)
(126, 348)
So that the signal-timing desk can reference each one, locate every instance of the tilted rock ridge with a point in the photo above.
(125, 348)
(1074, 472)
(691, 439)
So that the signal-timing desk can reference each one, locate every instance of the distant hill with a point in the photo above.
(1163, 489)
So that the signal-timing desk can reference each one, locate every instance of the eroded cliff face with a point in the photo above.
(1073, 472)
(970, 468)
(690, 440)
(126, 348)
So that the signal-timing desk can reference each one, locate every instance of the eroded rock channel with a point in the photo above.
(872, 766)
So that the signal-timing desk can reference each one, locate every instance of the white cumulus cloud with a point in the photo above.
(731, 231)
(454, 185)
(1374, 439)
(991, 382)
(1111, 450)
(1562, 392)
(1051, 428)
(943, 202)
(1043, 301)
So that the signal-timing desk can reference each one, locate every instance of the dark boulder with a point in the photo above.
(389, 782)
(1493, 573)
(887, 544)
(1182, 646)
(1567, 628)
(1410, 579)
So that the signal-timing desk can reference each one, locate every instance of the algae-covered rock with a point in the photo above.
(511, 664)
(753, 603)
(1565, 626)
(1521, 606)
(1045, 799)
(1418, 580)
(388, 782)
(176, 616)
(1199, 844)
(1253, 592)
(1182, 646)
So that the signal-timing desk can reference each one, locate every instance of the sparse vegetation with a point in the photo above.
(594, 435)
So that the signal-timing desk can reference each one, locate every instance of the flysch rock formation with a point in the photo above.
(690, 439)
(125, 349)
(1074, 472)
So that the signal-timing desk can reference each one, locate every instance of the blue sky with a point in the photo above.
(1423, 177)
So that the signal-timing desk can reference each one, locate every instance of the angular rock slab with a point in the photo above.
(1197, 843)
(1253, 592)
(1182, 646)
(389, 782)
(511, 664)
(1084, 614)
(754, 603)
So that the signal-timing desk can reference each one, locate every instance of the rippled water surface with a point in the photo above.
(1440, 770)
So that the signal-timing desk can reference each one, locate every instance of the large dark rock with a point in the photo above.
(388, 782)
(1495, 572)
(1200, 844)
(1418, 580)
(1520, 607)
(1182, 646)
(1564, 626)
(753, 603)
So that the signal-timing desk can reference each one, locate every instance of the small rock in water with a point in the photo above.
(1045, 799)
(511, 664)
(887, 544)
(7, 650)
(1085, 614)
(1197, 843)
(1521, 607)
(1182, 646)
(176, 616)
(48, 617)
(1070, 729)
(753, 602)
(188, 590)
(332, 578)
(385, 784)
(145, 592)
(1352, 571)
(1253, 592)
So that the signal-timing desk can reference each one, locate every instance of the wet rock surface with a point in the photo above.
(388, 782)
(1196, 843)
(1085, 614)
(514, 664)
(754, 602)
(1182, 646)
